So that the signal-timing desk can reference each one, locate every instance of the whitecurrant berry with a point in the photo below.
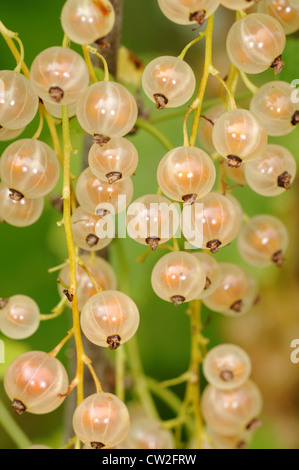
(188, 11)
(237, 4)
(115, 160)
(18, 100)
(236, 174)
(19, 318)
(227, 366)
(213, 273)
(20, 213)
(34, 382)
(186, 174)
(107, 109)
(168, 81)
(236, 291)
(284, 11)
(85, 21)
(29, 168)
(255, 43)
(178, 277)
(152, 220)
(274, 106)
(272, 172)
(263, 240)
(10, 134)
(84, 231)
(237, 441)
(56, 109)
(205, 128)
(109, 319)
(101, 420)
(148, 433)
(239, 136)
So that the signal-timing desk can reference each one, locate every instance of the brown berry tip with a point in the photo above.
(177, 300)
(189, 198)
(295, 118)
(237, 306)
(100, 139)
(198, 16)
(226, 375)
(254, 425)
(214, 245)
(241, 445)
(92, 240)
(69, 296)
(278, 258)
(233, 161)
(113, 342)
(284, 180)
(208, 283)
(3, 302)
(102, 212)
(277, 65)
(18, 406)
(56, 93)
(161, 101)
(103, 44)
(113, 176)
(15, 195)
(97, 445)
(57, 202)
(153, 242)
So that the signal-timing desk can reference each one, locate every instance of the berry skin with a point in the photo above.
(56, 109)
(85, 21)
(237, 441)
(19, 318)
(178, 277)
(109, 319)
(227, 367)
(29, 167)
(94, 194)
(272, 104)
(188, 11)
(239, 136)
(20, 213)
(205, 128)
(213, 273)
(101, 420)
(284, 11)
(168, 81)
(272, 172)
(59, 75)
(211, 223)
(33, 381)
(115, 160)
(186, 174)
(255, 43)
(152, 220)
(84, 231)
(236, 291)
(236, 174)
(148, 433)
(100, 269)
(18, 100)
(237, 4)
(233, 411)
(107, 109)
(263, 240)
(10, 134)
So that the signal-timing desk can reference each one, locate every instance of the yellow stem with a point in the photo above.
(190, 44)
(87, 58)
(248, 83)
(56, 311)
(60, 345)
(93, 50)
(120, 363)
(91, 277)
(215, 74)
(41, 122)
(97, 383)
(19, 56)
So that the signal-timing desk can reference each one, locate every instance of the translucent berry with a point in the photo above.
(107, 109)
(101, 420)
(30, 168)
(211, 223)
(168, 81)
(272, 172)
(84, 231)
(18, 100)
(152, 220)
(178, 277)
(19, 318)
(213, 273)
(109, 319)
(115, 160)
(10, 134)
(186, 174)
(255, 43)
(239, 136)
(236, 292)
(33, 381)
(284, 11)
(188, 11)
(100, 269)
(148, 433)
(205, 128)
(233, 411)
(274, 106)
(236, 174)
(56, 109)
(237, 4)
(94, 194)
(20, 213)
(237, 441)
(59, 75)
(263, 240)
(227, 367)
(85, 21)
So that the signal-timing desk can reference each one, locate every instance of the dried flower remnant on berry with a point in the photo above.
(198, 16)
(161, 101)
(103, 44)
(177, 300)
(56, 93)
(237, 306)
(295, 118)
(92, 240)
(153, 242)
(214, 245)
(3, 302)
(233, 161)
(254, 425)
(69, 296)
(278, 259)
(284, 180)
(15, 195)
(19, 407)
(189, 198)
(100, 139)
(113, 342)
(277, 65)
(113, 176)
(97, 445)
(226, 375)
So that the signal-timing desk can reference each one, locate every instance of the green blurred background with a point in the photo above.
(163, 336)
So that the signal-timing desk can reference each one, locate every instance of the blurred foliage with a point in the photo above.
(27, 253)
